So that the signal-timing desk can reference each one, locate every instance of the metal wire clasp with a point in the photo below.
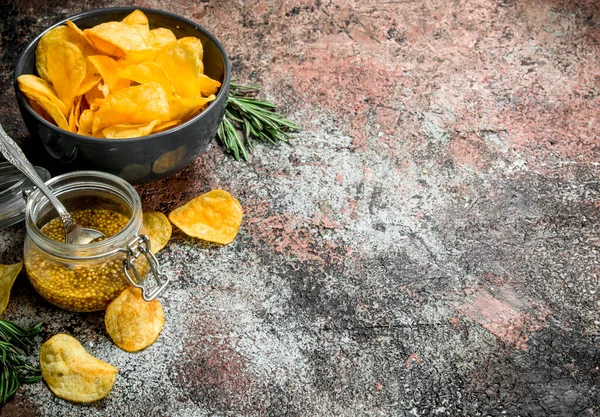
(151, 288)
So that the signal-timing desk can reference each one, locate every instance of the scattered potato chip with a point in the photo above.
(72, 373)
(83, 70)
(158, 228)
(215, 217)
(8, 275)
(133, 323)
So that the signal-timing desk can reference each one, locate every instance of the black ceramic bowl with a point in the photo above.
(140, 159)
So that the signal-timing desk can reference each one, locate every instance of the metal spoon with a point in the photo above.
(74, 234)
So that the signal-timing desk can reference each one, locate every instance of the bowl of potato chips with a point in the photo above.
(135, 92)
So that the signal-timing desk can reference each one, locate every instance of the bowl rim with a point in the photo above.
(221, 95)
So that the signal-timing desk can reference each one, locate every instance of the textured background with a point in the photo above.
(428, 245)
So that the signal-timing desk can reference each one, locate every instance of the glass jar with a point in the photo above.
(88, 277)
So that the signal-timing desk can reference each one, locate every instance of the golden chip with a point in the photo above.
(88, 84)
(183, 108)
(120, 38)
(66, 68)
(86, 121)
(147, 72)
(62, 33)
(108, 69)
(75, 113)
(52, 109)
(215, 217)
(182, 61)
(8, 275)
(158, 228)
(134, 105)
(160, 37)
(72, 373)
(133, 323)
(207, 85)
(124, 131)
(138, 20)
(31, 85)
(165, 125)
(135, 57)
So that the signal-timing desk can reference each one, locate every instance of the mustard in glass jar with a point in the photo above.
(88, 277)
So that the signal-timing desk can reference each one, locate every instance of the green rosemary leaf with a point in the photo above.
(15, 342)
(247, 119)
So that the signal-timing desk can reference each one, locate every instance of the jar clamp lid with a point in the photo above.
(140, 245)
(13, 185)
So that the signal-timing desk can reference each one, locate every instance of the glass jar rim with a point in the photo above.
(91, 250)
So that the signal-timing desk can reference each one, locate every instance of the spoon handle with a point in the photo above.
(13, 154)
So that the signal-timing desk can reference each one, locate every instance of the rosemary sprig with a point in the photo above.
(255, 119)
(15, 342)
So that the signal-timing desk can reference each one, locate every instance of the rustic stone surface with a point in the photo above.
(428, 245)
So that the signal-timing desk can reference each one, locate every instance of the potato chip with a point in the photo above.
(87, 84)
(138, 20)
(160, 37)
(32, 85)
(182, 61)
(8, 275)
(158, 228)
(140, 104)
(125, 131)
(72, 373)
(207, 85)
(63, 33)
(119, 38)
(97, 92)
(133, 323)
(165, 125)
(77, 30)
(75, 113)
(86, 121)
(136, 57)
(66, 69)
(40, 111)
(147, 72)
(215, 217)
(108, 69)
(52, 109)
(182, 108)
